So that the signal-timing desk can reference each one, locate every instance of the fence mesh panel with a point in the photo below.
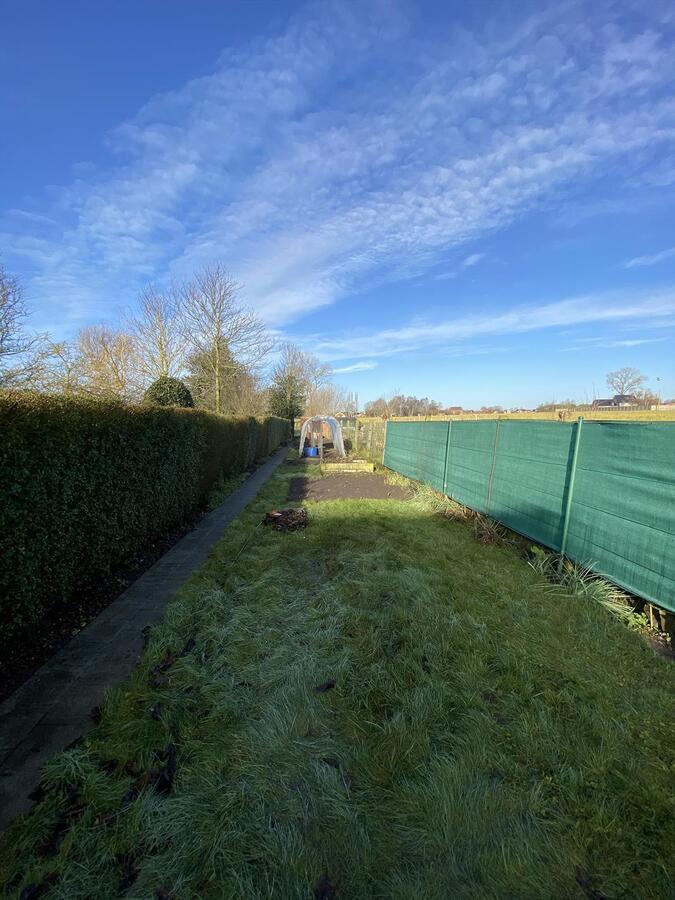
(531, 475)
(615, 500)
(419, 454)
(470, 462)
(623, 508)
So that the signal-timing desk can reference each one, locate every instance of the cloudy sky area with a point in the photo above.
(474, 204)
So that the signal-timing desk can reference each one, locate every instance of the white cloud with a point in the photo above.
(307, 187)
(364, 366)
(583, 310)
(650, 260)
(473, 259)
(606, 344)
(445, 276)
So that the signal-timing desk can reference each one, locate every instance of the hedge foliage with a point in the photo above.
(85, 484)
(168, 391)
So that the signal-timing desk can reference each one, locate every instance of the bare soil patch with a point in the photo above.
(359, 486)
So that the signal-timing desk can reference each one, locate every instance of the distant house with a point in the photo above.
(454, 411)
(616, 402)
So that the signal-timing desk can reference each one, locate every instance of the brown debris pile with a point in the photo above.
(286, 519)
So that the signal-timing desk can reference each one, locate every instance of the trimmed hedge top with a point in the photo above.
(168, 391)
(87, 483)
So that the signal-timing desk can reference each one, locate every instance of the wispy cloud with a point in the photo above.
(650, 260)
(445, 276)
(309, 187)
(607, 344)
(575, 311)
(363, 366)
(473, 259)
(466, 263)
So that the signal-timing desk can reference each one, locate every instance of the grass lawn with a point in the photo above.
(379, 706)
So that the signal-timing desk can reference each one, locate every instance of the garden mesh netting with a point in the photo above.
(603, 493)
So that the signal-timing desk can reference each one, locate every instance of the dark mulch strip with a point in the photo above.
(21, 658)
(347, 486)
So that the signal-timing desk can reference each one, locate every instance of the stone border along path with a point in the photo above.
(53, 708)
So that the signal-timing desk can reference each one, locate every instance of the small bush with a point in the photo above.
(86, 484)
(168, 392)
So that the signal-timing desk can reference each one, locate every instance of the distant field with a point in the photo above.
(663, 415)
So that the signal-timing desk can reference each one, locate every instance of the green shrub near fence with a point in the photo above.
(602, 493)
(85, 484)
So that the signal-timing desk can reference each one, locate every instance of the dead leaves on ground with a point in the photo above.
(160, 779)
(158, 673)
(286, 519)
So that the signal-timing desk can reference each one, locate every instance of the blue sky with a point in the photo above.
(473, 202)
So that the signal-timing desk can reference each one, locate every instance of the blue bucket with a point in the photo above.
(311, 451)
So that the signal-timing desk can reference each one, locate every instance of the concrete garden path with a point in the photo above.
(54, 707)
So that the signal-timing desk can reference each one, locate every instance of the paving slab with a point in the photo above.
(53, 707)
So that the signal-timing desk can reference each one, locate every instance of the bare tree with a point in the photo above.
(215, 325)
(328, 399)
(306, 367)
(13, 315)
(402, 405)
(313, 378)
(241, 393)
(378, 407)
(158, 335)
(303, 375)
(248, 397)
(21, 354)
(626, 381)
(63, 369)
(106, 359)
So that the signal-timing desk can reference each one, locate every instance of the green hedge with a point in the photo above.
(85, 484)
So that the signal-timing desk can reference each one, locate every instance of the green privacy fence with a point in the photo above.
(602, 493)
